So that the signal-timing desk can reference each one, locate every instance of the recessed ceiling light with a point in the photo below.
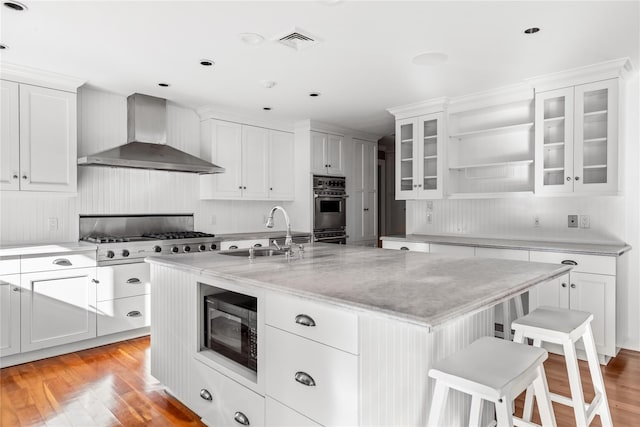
(314, 94)
(531, 30)
(266, 108)
(206, 62)
(251, 38)
(14, 5)
(163, 84)
(430, 58)
(3, 46)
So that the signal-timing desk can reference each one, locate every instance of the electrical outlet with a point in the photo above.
(585, 221)
(536, 221)
(53, 224)
(573, 221)
(429, 218)
(213, 220)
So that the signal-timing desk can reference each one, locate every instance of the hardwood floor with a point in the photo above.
(111, 386)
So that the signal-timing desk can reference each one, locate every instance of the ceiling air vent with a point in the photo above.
(298, 39)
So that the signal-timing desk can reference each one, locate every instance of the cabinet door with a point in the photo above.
(318, 153)
(281, 165)
(335, 155)
(554, 293)
(255, 156)
(48, 159)
(9, 137)
(406, 167)
(429, 158)
(226, 151)
(596, 138)
(57, 307)
(9, 314)
(595, 293)
(554, 141)
(364, 185)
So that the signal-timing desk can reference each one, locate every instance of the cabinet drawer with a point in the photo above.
(332, 326)
(512, 254)
(240, 244)
(585, 263)
(453, 250)
(10, 265)
(279, 415)
(332, 399)
(123, 314)
(121, 281)
(61, 261)
(410, 246)
(229, 401)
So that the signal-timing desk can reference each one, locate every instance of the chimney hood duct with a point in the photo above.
(146, 146)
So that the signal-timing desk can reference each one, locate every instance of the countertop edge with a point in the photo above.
(45, 248)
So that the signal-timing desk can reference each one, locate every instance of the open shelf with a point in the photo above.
(407, 140)
(410, 159)
(551, 120)
(488, 165)
(500, 129)
(594, 167)
(430, 157)
(554, 144)
(553, 169)
(596, 113)
(603, 139)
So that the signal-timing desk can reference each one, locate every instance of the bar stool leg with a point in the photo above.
(476, 412)
(506, 320)
(547, 417)
(577, 396)
(503, 413)
(596, 377)
(438, 403)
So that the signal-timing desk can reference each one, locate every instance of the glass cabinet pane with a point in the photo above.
(430, 150)
(554, 143)
(594, 137)
(406, 156)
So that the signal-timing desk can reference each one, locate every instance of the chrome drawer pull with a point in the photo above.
(404, 248)
(304, 320)
(257, 245)
(134, 313)
(241, 419)
(569, 262)
(62, 261)
(305, 379)
(233, 247)
(204, 393)
(134, 280)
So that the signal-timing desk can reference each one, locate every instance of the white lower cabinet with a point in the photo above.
(220, 401)
(9, 314)
(123, 314)
(279, 415)
(57, 307)
(316, 380)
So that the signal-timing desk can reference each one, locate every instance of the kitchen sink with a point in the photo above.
(256, 252)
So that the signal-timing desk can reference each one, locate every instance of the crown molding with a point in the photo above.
(314, 125)
(227, 115)
(616, 68)
(489, 98)
(435, 105)
(38, 77)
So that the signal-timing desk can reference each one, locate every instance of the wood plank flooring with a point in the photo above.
(112, 386)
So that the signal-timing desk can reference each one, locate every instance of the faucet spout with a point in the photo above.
(287, 240)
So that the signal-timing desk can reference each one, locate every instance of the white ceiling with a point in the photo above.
(362, 67)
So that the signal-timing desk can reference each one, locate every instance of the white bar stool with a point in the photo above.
(566, 327)
(494, 370)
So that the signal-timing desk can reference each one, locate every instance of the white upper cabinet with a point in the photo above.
(39, 148)
(257, 161)
(327, 154)
(364, 200)
(419, 157)
(577, 140)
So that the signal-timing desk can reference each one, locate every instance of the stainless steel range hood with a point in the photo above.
(147, 142)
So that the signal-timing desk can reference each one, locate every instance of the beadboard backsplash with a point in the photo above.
(102, 124)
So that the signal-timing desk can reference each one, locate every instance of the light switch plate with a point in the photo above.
(573, 221)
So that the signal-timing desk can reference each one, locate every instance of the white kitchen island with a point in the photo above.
(382, 318)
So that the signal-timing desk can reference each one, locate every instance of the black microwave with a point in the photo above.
(230, 328)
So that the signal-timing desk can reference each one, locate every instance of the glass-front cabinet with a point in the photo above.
(419, 157)
(576, 139)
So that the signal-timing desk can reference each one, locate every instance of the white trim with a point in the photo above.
(316, 126)
(37, 77)
(489, 98)
(419, 108)
(224, 114)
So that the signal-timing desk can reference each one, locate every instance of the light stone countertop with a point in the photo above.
(419, 288)
(260, 235)
(46, 248)
(612, 249)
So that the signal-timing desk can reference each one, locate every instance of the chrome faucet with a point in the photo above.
(287, 240)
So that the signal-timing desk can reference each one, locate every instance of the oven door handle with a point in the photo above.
(320, 196)
(320, 239)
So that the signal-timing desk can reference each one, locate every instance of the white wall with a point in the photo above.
(102, 125)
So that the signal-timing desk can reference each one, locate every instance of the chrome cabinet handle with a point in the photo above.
(577, 178)
(304, 320)
(15, 175)
(240, 187)
(204, 393)
(573, 286)
(257, 245)
(62, 261)
(233, 247)
(16, 289)
(569, 262)
(304, 379)
(404, 248)
(134, 313)
(96, 281)
(133, 280)
(241, 418)
(564, 285)
(568, 178)
(24, 176)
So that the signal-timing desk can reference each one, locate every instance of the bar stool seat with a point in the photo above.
(494, 370)
(566, 327)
